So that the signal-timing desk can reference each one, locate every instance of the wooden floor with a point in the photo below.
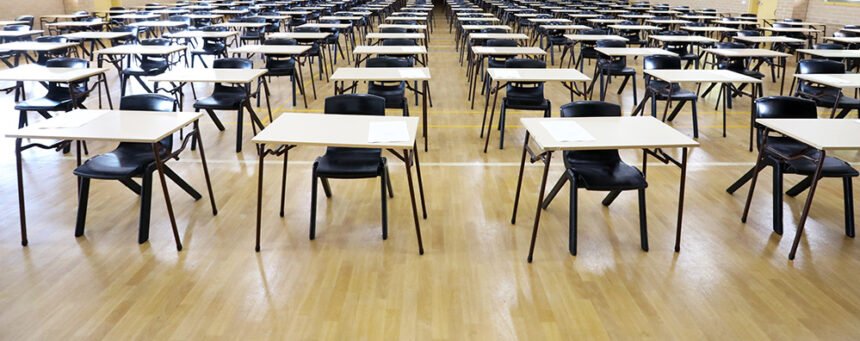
(730, 280)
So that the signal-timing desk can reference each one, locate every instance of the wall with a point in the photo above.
(11, 9)
(834, 15)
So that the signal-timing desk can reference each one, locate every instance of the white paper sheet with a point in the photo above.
(70, 120)
(567, 131)
(380, 132)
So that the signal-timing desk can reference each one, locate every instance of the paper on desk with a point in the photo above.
(380, 132)
(411, 73)
(567, 131)
(70, 120)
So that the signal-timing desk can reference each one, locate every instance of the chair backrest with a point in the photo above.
(29, 19)
(388, 62)
(662, 62)
(16, 28)
(501, 42)
(51, 39)
(399, 42)
(779, 107)
(808, 66)
(392, 30)
(61, 90)
(355, 104)
(233, 63)
(611, 43)
(749, 33)
(844, 34)
(828, 46)
(592, 109)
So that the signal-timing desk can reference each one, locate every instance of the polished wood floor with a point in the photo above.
(730, 281)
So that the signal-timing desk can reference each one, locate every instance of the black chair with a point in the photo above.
(10, 58)
(351, 163)
(129, 161)
(519, 95)
(658, 90)
(315, 52)
(682, 49)
(586, 48)
(598, 170)
(829, 46)
(44, 56)
(801, 161)
(822, 95)
(148, 65)
(127, 40)
(60, 96)
(230, 97)
(216, 47)
(279, 65)
(402, 42)
(252, 33)
(738, 65)
(608, 67)
(27, 19)
(634, 37)
(393, 92)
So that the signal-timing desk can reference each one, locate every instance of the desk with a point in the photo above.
(479, 53)
(293, 130)
(128, 50)
(723, 77)
(299, 35)
(201, 34)
(422, 28)
(120, 126)
(363, 52)
(646, 133)
(20, 48)
(841, 81)
(754, 54)
(232, 76)
(355, 75)
(38, 73)
(502, 77)
(844, 40)
(18, 34)
(821, 134)
(375, 36)
(95, 38)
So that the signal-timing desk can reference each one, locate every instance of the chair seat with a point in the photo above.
(602, 176)
(527, 98)
(146, 69)
(45, 104)
(827, 98)
(222, 101)
(833, 167)
(617, 69)
(394, 94)
(128, 160)
(209, 50)
(661, 91)
(350, 163)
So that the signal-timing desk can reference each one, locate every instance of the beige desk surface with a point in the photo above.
(699, 17)
(701, 76)
(636, 16)
(332, 17)
(204, 16)
(565, 27)
(97, 35)
(11, 22)
(276, 17)
(735, 22)
(242, 24)
(331, 130)
(229, 11)
(410, 27)
(845, 80)
(549, 20)
(633, 51)
(113, 125)
(537, 75)
(410, 18)
(482, 27)
(479, 19)
(358, 13)
(507, 51)
(38, 73)
(143, 50)
(769, 39)
(667, 21)
(590, 37)
(683, 39)
(376, 49)
(335, 26)
(635, 27)
(855, 30)
(377, 36)
(800, 23)
(209, 75)
(64, 16)
(709, 29)
(831, 53)
(160, 23)
(77, 24)
(611, 133)
(7, 34)
(821, 134)
(201, 34)
(134, 16)
(271, 49)
(789, 29)
(747, 53)
(605, 21)
(34, 46)
(526, 15)
(583, 15)
(845, 40)
(298, 35)
(663, 12)
(294, 12)
(467, 15)
(509, 36)
(381, 74)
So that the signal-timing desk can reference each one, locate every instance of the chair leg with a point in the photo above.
(610, 198)
(239, 120)
(215, 119)
(777, 199)
(643, 221)
(326, 187)
(145, 208)
(695, 120)
(848, 198)
(314, 179)
(384, 204)
(502, 115)
(572, 226)
(555, 189)
(83, 199)
(388, 181)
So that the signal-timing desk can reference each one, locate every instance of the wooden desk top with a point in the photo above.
(408, 27)
(483, 27)
(299, 35)
(143, 50)
(747, 53)
(8, 34)
(332, 131)
(683, 39)
(537, 75)
(507, 51)
(38, 73)
(789, 29)
(508, 36)
(769, 39)
(633, 51)
(377, 49)
(844, 40)
(201, 34)
(271, 49)
(242, 24)
(109, 125)
(667, 21)
(831, 53)
(381, 74)
(96, 35)
(701, 76)
(209, 75)
(610, 133)
(159, 23)
(821, 134)
(34, 46)
(593, 37)
(635, 27)
(77, 23)
(709, 29)
(377, 36)
(845, 80)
